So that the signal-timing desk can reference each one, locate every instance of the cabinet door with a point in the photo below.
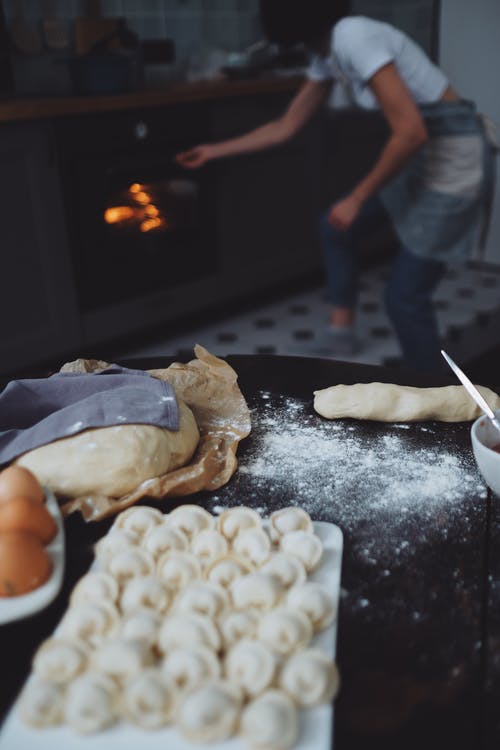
(269, 201)
(38, 314)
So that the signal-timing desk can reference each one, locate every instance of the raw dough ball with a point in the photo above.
(386, 402)
(113, 461)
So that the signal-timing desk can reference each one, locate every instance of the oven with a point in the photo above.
(138, 223)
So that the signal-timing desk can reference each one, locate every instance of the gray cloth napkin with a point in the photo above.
(38, 411)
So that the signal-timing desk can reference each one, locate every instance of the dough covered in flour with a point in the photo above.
(386, 402)
(114, 460)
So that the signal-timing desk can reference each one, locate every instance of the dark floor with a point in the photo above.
(467, 302)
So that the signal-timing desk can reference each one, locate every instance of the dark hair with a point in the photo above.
(292, 21)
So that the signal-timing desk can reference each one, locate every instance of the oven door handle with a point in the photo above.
(162, 167)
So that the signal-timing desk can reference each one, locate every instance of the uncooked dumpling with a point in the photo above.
(236, 625)
(255, 590)
(288, 568)
(112, 461)
(115, 541)
(224, 570)
(129, 563)
(41, 704)
(177, 569)
(289, 519)
(236, 519)
(121, 659)
(188, 629)
(270, 721)
(90, 622)
(164, 538)
(210, 713)
(141, 625)
(95, 586)
(148, 699)
(284, 631)
(147, 592)
(208, 545)
(203, 597)
(253, 545)
(251, 665)
(91, 703)
(304, 545)
(310, 678)
(138, 520)
(189, 667)
(59, 661)
(315, 601)
(190, 519)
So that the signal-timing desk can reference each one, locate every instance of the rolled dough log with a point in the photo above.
(386, 402)
(114, 460)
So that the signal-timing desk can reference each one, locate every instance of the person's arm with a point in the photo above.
(408, 133)
(303, 106)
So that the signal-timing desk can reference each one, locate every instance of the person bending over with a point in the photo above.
(432, 177)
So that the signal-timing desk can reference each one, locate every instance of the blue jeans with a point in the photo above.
(408, 293)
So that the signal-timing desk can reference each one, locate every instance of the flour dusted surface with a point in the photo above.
(319, 463)
(412, 507)
(395, 478)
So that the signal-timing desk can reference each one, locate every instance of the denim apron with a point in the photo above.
(440, 202)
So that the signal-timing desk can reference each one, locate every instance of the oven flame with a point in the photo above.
(116, 214)
(138, 210)
(151, 210)
(142, 197)
(148, 224)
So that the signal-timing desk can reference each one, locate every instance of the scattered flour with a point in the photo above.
(392, 476)
(401, 494)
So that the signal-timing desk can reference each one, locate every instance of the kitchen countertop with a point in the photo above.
(418, 632)
(22, 109)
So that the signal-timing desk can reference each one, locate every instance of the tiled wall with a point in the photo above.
(230, 25)
(195, 26)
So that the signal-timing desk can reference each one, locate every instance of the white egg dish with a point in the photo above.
(16, 607)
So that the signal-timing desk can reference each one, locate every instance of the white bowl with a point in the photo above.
(484, 437)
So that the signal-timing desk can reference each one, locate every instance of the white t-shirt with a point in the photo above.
(360, 46)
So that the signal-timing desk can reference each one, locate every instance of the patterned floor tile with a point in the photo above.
(466, 297)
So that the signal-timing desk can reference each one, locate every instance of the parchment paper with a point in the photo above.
(208, 385)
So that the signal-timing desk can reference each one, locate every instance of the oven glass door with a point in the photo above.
(142, 224)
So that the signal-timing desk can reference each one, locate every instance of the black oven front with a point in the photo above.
(138, 222)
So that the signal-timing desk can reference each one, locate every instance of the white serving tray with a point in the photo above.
(315, 725)
(16, 607)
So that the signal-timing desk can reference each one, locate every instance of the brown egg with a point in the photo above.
(21, 513)
(16, 480)
(24, 563)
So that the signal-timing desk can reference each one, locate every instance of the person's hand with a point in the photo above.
(194, 157)
(343, 214)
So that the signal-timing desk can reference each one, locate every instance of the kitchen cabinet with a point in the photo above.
(269, 202)
(260, 233)
(39, 317)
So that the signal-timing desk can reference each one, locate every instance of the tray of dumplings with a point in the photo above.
(192, 628)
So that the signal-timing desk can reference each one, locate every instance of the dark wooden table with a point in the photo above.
(419, 622)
